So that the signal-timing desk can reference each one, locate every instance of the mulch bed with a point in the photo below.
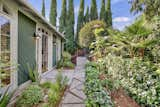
(122, 100)
(119, 97)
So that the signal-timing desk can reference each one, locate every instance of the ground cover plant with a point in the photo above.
(139, 78)
(31, 96)
(96, 93)
(43, 95)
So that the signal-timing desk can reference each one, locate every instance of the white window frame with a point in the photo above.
(8, 17)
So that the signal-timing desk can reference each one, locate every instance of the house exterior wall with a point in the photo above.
(50, 52)
(13, 17)
(58, 42)
(39, 51)
(14, 8)
(26, 47)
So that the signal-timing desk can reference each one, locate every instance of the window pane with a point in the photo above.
(5, 50)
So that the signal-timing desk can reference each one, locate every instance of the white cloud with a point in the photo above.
(121, 19)
(121, 26)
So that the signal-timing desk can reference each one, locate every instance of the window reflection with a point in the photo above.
(4, 50)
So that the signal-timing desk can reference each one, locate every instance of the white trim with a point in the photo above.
(0, 6)
(13, 17)
(35, 12)
(7, 18)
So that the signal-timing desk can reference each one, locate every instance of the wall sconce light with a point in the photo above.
(36, 35)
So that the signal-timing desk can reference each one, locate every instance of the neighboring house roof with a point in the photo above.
(29, 8)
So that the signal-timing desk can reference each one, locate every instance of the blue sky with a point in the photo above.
(120, 10)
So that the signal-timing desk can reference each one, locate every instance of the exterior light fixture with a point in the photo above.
(36, 35)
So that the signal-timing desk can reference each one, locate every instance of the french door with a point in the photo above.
(44, 53)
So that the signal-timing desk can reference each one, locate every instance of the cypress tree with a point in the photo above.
(43, 8)
(87, 18)
(108, 14)
(62, 21)
(102, 12)
(80, 18)
(71, 12)
(94, 12)
(70, 45)
(53, 12)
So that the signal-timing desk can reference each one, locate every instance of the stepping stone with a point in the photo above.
(75, 96)
(79, 93)
(75, 83)
(80, 87)
(71, 99)
(73, 105)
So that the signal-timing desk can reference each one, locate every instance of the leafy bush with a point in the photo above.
(91, 64)
(136, 76)
(31, 96)
(65, 61)
(33, 74)
(66, 56)
(62, 81)
(86, 35)
(97, 95)
(55, 89)
(54, 94)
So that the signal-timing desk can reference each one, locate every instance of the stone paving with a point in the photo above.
(51, 75)
(74, 96)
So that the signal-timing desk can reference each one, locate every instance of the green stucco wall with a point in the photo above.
(26, 46)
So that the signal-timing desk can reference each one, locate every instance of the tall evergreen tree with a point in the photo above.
(71, 12)
(87, 18)
(94, 12)
(53, 12)
(108, 14)
(70, 45)
(62, 21)
(80, 18)
(43, 8)
(102, 12)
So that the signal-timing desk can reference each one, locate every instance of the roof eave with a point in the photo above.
(34, 11)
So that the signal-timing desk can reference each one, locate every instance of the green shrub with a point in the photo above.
(54, 94)
(86, 34)
(68, 64)
(46, 85)
(97, 96)
(55, 89)
(31, 96)
(65, 61)
(33, 74)
(66, 56)
(138, 77)
(91, 64)
(60, 64)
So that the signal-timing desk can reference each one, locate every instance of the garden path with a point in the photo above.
(74, 96)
